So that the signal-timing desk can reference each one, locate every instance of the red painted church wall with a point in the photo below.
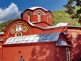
(34, 52)
(1, 49)
(34, 18)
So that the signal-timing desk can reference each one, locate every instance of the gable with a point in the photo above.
(61, 42)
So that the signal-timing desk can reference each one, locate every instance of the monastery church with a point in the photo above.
(34, 38)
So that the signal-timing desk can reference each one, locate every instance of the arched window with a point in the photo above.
(28, 14)
(48, 16)
(39, 16)
(74, 35)
(67, 54)
(18, 27)
(21, 58)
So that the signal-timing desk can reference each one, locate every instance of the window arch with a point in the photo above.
(39, 16)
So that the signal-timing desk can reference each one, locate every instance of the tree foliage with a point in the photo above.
(4, 24)
(74, 8)
(61, 16)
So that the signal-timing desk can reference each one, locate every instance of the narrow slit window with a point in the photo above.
(28, 14)
(39, 16)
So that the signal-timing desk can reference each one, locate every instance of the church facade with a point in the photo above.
(34, 38)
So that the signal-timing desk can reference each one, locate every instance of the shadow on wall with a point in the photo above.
(79, 37)
(76, 51)
(42, 53)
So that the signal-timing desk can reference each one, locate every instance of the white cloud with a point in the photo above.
(10, 12)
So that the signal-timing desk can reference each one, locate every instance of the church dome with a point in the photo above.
(37, 15)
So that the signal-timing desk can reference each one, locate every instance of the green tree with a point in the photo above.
(4, 24)
(61, 16)
(74, 8)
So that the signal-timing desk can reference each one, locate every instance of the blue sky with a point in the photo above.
(13, 8)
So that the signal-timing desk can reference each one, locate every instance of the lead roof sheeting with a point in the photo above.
(33, 38)
(1, 39)
(1, 33)
(33, 8)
